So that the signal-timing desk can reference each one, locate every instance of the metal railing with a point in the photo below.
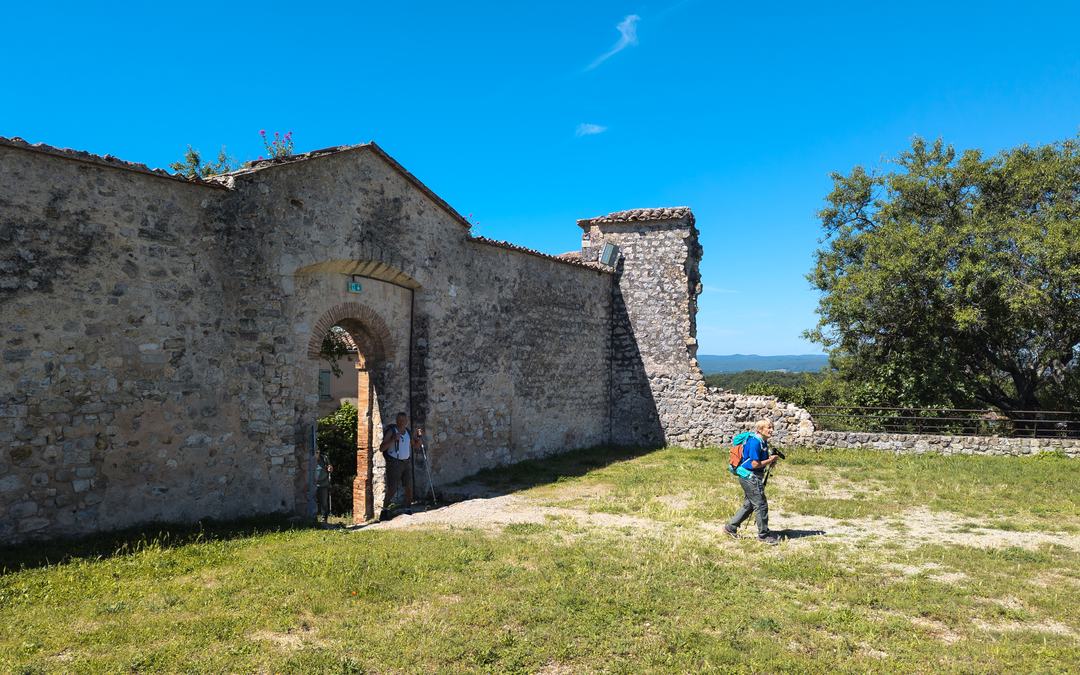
(947, 421)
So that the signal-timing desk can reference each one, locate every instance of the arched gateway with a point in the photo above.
(375, 348)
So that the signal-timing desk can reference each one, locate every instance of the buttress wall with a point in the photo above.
(659, 394)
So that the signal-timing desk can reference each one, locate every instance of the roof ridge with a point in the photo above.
(652, 214)
(530, 251)
(261, 164)
(110, 161)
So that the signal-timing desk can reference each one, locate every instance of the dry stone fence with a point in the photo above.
(159, 337)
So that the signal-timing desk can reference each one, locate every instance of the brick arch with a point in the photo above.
(364, 325)
(376, 347)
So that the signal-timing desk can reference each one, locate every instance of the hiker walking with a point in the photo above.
(751, 475)
(397, 444)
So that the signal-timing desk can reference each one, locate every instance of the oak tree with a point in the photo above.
(952, 280)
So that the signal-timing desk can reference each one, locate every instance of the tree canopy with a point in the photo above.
(955, 280)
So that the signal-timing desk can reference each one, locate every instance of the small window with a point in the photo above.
(324, 385)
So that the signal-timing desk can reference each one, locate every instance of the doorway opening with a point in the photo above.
(350, 346)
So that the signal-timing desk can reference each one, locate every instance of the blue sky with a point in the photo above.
(738, 111)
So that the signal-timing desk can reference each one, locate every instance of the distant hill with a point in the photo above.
(733, 363)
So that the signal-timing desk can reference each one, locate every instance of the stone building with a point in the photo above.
(161, 336)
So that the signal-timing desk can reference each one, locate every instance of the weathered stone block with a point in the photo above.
(33, 524)
(10, 483)
(22, 509)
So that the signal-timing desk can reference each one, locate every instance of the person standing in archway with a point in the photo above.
(397, 444)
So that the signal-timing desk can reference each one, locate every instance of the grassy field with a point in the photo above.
(620, 566)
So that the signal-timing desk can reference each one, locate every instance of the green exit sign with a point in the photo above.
(354, 287)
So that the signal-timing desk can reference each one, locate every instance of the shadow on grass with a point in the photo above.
(487, 483)
(503, 480)
(798, 534)
(30, 555)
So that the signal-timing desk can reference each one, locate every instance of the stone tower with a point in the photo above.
(655, 380)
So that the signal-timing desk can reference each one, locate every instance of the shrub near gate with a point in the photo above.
(337, 438)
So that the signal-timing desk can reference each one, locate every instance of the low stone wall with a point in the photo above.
(719, 415)
(946, 445)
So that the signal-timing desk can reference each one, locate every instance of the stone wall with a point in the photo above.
(120, 399)
(659, 394)
(160, 336)
(946, 445)
(517, 360)
(509, 348)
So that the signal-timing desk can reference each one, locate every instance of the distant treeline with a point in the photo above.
(734, 363)
(738, 382)
(824, 388)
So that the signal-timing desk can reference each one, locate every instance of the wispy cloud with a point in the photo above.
(586, 129)
(627, 38)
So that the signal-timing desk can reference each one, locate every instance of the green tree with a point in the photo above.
(955, 280)
(337, 438)
(193, 166)
(335, 346)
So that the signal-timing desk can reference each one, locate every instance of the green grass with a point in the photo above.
(561, 595)
(1040, 492)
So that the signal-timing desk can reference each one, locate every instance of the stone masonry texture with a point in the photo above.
(157, 333)
(159, 338)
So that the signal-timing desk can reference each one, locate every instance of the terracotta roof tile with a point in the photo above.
(563, 258)
(345, 338)
(255, 165)
(641, 215)
(103, 160)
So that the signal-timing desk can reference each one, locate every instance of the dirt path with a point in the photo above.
(915, 528)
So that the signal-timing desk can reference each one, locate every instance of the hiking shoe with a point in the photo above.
(731, 531)
(770, 539)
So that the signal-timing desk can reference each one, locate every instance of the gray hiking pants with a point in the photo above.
(398, 474)
(755, 502)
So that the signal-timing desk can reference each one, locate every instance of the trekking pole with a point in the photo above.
(427, 470)
(768, 469)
